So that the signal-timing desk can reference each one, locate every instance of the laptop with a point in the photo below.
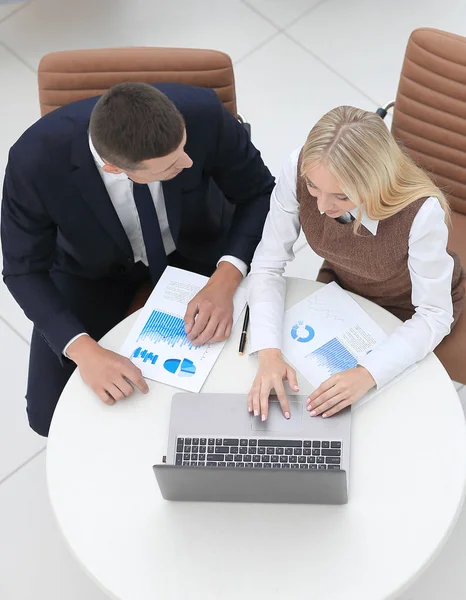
(219, 452)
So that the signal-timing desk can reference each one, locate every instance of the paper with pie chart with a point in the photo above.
(328, 332)
(157, 343)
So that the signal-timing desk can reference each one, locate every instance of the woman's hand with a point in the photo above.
(339, 391)
(273, 370)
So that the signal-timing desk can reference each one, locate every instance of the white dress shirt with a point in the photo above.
(430, 268)
(120, 190)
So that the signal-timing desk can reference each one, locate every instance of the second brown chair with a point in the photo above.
(429, 120)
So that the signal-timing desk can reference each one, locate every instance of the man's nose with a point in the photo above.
(187, 162)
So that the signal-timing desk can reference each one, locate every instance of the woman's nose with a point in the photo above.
(324, 203)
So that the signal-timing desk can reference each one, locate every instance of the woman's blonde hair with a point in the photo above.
(371, 168)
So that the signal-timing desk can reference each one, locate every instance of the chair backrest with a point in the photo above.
(72, 75)
(429, 117)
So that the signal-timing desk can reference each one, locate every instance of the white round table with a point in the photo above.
(408, 473)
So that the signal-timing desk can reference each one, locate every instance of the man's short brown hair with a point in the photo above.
(133, 122)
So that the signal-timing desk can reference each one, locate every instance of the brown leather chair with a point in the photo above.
(72, 75)
(429, 119)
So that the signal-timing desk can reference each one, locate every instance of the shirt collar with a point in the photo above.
(100, 163)
(370, 224)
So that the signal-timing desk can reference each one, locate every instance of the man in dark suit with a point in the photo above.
(99, 196)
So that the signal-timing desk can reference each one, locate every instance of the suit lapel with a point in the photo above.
(92, 189)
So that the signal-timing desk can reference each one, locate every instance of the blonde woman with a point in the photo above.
(381, 226)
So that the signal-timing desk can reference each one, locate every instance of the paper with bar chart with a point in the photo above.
(329, 332)
(157, 343)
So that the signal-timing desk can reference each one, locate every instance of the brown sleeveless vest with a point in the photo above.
(373, 266)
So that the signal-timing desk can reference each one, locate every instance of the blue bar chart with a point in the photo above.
(144, 355)
(157, 343)
(333, 357)
(160, 346)
(166, 328)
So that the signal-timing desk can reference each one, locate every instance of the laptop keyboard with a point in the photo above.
(258, 453)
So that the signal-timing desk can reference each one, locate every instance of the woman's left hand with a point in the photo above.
(339, 391)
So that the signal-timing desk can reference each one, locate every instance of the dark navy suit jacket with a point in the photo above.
(57, 215)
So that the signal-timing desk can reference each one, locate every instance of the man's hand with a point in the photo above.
(110, 375)
(272, 372)
(339, 391)
(209, 316)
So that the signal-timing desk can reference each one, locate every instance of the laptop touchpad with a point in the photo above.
(276, 422)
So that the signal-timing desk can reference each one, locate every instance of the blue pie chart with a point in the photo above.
(302, 333)
(182, 368)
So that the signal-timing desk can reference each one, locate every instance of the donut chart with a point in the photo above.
(302, 333)
(181, 368)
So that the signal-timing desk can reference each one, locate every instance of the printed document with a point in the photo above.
(157, 343)
(329, 332)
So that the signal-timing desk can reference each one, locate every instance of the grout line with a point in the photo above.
(11, 51)
(14, 12)
(258, 12)
(28, 342)
(295, 20)
(274, 25)
(24, 464)
(330, 68)
(305, 13)
(300, 45)
(258, 47)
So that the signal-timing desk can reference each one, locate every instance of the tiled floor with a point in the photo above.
(294, 59)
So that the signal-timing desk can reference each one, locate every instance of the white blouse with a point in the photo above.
(430, 268)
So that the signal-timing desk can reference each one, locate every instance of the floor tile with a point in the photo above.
(9, 7)
(365, 40)
(35, 563)
(305, 265)
(18, 443)
(283, 91)
(19, 101)
(282, 12)
(52, 25)
(444, 579)
(19, 108)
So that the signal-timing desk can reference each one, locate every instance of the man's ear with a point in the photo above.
(109, 168)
